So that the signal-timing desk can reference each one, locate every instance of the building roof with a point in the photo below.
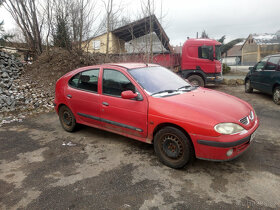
(234, 51)
(265, 38)
(142, 27)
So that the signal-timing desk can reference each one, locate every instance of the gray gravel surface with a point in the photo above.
(100, 170)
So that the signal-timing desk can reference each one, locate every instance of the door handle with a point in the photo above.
(69, 96)
(105, 103)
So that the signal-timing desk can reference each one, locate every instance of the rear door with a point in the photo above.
(83, 97)
(127, 116)
(269, 73)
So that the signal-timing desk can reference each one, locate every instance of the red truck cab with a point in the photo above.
(200, 61)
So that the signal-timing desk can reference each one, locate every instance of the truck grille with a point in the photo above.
(244, 120)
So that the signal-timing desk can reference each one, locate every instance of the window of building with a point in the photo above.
(115, 82)
(96, 45)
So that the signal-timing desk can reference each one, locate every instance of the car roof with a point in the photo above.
(108, 65)
(132, 65)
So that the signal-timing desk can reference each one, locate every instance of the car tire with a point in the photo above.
(173, 147)
(276, 95)
(248, 87)
(196, 80)
(67, 119)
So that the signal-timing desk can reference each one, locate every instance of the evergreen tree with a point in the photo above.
(62, 35)
(226, 47)
(204, 35)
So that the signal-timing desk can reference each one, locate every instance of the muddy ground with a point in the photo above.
(101, 170)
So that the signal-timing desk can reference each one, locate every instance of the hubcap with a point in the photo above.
(172, 147)
(276, 95)
(67, 119)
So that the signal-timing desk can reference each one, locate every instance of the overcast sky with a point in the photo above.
(183, 18)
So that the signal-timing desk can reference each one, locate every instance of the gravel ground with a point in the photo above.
(44, 167)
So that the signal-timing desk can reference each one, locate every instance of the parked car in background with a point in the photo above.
(265, 77)
(152, 104)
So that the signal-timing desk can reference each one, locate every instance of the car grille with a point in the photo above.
(244, 120)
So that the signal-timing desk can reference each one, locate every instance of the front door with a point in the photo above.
(127, 116)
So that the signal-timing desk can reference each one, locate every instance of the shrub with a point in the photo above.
(226, 68)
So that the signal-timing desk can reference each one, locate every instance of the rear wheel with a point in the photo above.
(248, 87)
(173, 147)
(67, 119)
(196, 80)
(276, 95)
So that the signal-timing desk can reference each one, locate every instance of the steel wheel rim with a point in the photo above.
(276, 95)
(194, 83)
(172, 147)
(67, 118)
(247, 85)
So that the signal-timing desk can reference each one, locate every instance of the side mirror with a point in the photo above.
(128, 94)
(251, 68)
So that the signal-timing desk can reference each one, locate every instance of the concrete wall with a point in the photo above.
(253, 53)
(116, 45)
(269, 50)
(250, 52)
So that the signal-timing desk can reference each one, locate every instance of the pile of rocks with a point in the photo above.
(10, 70)
(20, 95)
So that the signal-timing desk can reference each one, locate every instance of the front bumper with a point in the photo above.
(214, 78)
(216, 148)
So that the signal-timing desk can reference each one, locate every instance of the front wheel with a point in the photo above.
(276, 95)
(173, 147)
(196, 80)
(248, 87)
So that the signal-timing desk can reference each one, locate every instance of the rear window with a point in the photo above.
(273, 63)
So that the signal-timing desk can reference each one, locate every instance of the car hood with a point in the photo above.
(201, 106)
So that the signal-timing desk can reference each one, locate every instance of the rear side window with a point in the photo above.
(86, 80)
(115, 82)
(272, 63)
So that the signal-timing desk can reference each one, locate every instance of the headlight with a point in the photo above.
(228, 128)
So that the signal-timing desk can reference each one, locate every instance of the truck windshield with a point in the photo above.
(218, 52)
(159, 80)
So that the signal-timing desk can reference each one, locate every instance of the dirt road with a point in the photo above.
(100, 170)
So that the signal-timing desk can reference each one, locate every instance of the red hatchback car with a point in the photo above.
(152, 104)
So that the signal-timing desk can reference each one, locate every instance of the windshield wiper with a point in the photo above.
(163, 91)
(184, 87)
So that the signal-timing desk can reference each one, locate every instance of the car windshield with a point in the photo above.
(159, 80)
(218, 52)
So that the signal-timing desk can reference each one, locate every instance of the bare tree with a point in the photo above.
(82, 19)
(148, 9)
(26, 14)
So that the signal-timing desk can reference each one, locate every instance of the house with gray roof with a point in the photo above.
(257, 46)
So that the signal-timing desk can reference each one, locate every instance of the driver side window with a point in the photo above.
(114, 83)
(260, 65)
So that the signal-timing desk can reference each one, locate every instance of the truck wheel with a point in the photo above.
(67, 119)
(276, 95)
(173, 147)
(196, 80)
(248, 87)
